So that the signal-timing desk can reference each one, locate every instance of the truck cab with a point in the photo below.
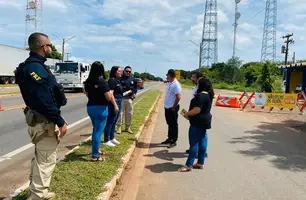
(71, 75)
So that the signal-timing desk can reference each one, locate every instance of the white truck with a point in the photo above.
(71, 75)
(10, 57)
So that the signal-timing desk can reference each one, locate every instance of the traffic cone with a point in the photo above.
(1, 108)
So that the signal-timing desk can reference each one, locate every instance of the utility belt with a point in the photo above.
(33, 117)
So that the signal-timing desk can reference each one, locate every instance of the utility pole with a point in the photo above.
(67, 56)
(63, 46)
(237, 16)
(285, 49)
(293, 58)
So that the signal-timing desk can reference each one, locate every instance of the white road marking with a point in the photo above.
(9, 156)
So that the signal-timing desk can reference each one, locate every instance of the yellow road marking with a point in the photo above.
(14, 107)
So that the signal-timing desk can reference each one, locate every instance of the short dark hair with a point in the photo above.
(128, 67)
(171, 72)
(34, 41)
(197, 74)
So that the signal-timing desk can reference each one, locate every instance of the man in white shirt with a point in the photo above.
(171, 104)
(196, 76)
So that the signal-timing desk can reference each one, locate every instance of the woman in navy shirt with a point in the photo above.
(199, 117)
(98, 93)
(114, 107)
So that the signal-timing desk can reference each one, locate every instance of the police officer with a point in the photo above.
(43, 97)
(129, 93)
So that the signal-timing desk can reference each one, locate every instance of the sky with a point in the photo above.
(153, 35)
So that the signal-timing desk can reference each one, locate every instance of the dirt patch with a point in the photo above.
(127, 185)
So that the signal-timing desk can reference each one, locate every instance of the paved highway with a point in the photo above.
(16, 152)
(13, 130)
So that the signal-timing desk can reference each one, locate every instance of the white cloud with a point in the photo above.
(292, 27)
(147, 45)
(247, 27)
(300, 16)
(243, 41)
(154, 33)
(107, 39)
(59, 5)
(10, 3)
(222, 17)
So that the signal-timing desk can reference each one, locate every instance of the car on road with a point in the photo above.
(140, 83)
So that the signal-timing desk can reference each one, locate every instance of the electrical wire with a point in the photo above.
(253, 16)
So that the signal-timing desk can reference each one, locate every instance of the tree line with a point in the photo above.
(251, 76)
(144, 76)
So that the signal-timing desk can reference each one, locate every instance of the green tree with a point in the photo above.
(107, 74)
(54, 55)
(266, 79)
(250, 73)
(230, 72)
(136, 75)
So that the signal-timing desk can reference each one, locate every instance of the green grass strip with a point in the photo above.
(8, 85)
(78, 178)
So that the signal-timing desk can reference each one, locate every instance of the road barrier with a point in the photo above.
(266, 102)
(225, 101)
(301, 102)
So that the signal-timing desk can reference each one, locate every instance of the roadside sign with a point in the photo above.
(278, 100)
(178, 74)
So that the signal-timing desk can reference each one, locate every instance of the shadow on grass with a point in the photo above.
(279, 140)
(163, 167)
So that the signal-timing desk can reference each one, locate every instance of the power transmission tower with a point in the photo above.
(268, 50)
(209, 41)
(33, 18)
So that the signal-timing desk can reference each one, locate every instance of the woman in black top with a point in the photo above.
(199, 117)
(98, 93)
(114, 107)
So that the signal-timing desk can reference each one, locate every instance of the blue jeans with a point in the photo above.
(112, 118)
(98, 116)
(198, 145)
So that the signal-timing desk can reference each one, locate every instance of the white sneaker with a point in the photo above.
(109, 144)
(114, 141)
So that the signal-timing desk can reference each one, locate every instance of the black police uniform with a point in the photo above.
(39, 88)
(43, 97)
(128, 83)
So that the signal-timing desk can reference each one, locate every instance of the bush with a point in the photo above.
(236, 87)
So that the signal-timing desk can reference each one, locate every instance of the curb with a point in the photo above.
(122, 167)
(110, 186)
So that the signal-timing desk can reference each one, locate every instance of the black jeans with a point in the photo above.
(171, 119)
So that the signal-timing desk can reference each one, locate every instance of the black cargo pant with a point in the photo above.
(171, 119)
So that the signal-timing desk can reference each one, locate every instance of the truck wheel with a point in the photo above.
(12, 80)
(5, 80)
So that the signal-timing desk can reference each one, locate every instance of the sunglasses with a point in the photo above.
(48, 45)
(128, 71)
